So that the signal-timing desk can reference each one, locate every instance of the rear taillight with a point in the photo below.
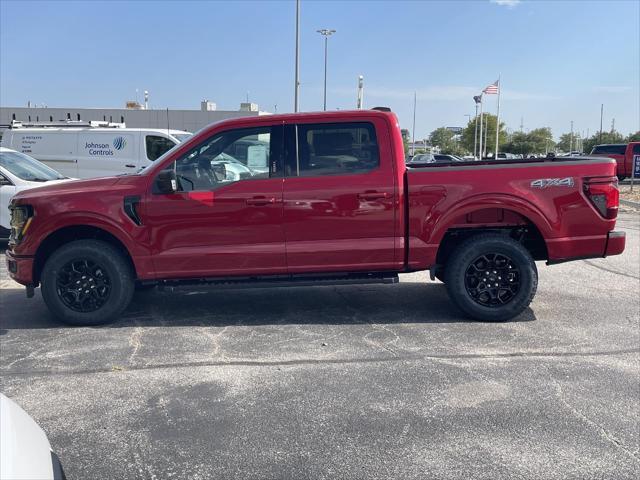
(604, 194)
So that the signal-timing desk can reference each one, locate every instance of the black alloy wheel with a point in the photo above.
(492, 279)
(83, 285)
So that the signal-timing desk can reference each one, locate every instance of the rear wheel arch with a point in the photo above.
(71, 233)
(526, 232)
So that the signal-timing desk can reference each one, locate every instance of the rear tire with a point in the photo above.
(87, 282)
(491, 277)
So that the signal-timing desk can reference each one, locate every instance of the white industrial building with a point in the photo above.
(136, 116)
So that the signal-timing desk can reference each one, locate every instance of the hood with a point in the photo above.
(67, 186)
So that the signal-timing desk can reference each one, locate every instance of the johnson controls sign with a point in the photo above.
(105, 149)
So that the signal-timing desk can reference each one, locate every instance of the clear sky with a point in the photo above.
(559, 60)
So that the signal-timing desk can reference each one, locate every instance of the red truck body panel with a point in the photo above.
(388, 219)
(624, 162)
(446, 197)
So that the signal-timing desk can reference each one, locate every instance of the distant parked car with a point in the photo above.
(25, 451)
(19, 172)
(433, 158)
(442, 158)
(506, 156)
(234, 169)
(422, 158)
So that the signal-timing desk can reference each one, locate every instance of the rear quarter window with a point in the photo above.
(337, 149)
(610, 149)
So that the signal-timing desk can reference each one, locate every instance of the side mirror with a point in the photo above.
(4, 181)
(166, 182)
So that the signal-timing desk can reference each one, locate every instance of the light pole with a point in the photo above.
(296, 95)
(571, 138)
(413, 135)
(326, 33)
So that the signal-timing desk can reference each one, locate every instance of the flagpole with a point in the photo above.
(475, 138)
(495, 156)
(486, 132)
(413, 135)
(480, 149)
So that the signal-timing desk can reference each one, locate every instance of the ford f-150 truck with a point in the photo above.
(622, 153)
(328, 199)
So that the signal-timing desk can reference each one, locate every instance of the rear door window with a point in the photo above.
(336, 149)
(157, 146)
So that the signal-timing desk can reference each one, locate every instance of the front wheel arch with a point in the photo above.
(71, 233)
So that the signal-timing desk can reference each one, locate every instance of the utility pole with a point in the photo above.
(521, 124)
(613, 125)
(296, 95)
(326, 33)
(601, 113)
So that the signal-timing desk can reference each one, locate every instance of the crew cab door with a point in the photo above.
(226, 218)
(340, 197)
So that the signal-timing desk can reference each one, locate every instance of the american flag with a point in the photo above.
(493, 88)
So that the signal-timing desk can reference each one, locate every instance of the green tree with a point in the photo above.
(607, 137)
(406, 136)
(488, 125)
(536, 141)
(444, 139)
(634, 137)
(566, 143)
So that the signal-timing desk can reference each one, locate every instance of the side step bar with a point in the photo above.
(278, 281)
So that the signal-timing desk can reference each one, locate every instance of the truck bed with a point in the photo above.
(543, 196)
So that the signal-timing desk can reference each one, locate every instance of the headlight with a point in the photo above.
(21, 216)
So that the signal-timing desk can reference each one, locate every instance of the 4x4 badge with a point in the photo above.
(552, 182)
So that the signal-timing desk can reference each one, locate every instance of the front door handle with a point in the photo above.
(260, 201)
(128, 165)
(373, 195)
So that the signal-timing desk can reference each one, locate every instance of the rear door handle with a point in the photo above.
(373, 195)
(260, 201)
(128, 165)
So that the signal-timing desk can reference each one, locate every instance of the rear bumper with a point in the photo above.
(578, 248)
(20, 268)
(615, 243)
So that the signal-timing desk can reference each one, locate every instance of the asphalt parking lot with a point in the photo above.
(347, 382)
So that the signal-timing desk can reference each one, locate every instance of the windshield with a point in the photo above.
(27, 168)
(181, 137)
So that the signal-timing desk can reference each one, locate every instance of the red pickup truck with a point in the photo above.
(622, 153)
(311, 198)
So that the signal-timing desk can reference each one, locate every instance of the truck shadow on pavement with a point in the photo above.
(207, 306)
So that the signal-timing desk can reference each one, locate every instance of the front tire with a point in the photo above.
(491, 277)
(87, 282)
